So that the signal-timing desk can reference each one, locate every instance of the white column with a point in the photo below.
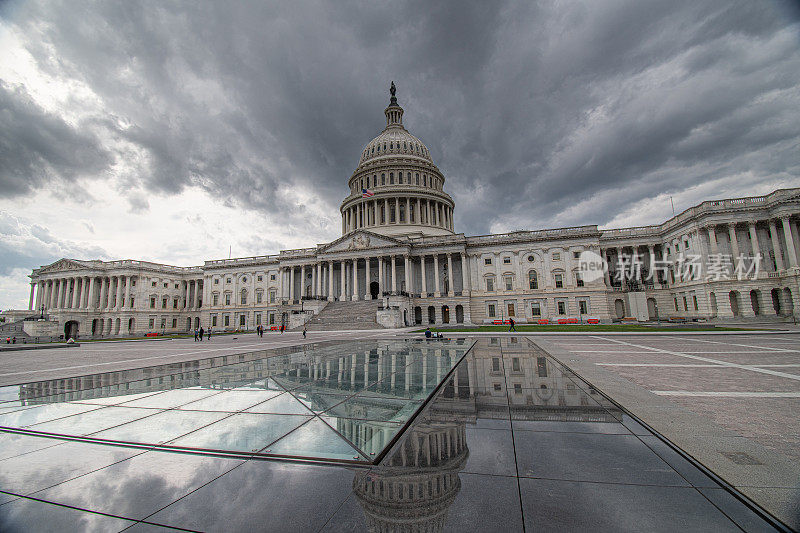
(119, 293)
(776, 245)
(408, 212)
(103, 292)
(712, 237)
(381, 283)
(754, 240)
(465, 288)
(30, 300)
(330, 281)
(734, 242)
(397, 210)
(302, 282)
(75, 293)
(197, 289)
(90, 294)
(342, 293)
(355, 279)
(438, 292)
(407, 270)
(451, 283)
(291, 284)
(424, 281)
(394, 275)
(791, 250)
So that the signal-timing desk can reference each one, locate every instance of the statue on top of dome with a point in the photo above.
(393, 90)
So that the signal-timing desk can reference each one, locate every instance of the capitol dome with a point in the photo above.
(396, 188)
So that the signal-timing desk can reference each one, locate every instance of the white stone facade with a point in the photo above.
(398, 245)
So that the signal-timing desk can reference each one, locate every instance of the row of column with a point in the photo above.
(92, 293)
(371, 212)
(84, 292)
(789, 259)
(323, 276)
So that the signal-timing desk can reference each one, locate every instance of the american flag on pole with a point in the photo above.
(366, 193)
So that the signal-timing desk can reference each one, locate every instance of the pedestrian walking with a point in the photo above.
(209, 333)
(195, 334)
(201, 333)
(304, 331)
(283, 326)
(511, 327)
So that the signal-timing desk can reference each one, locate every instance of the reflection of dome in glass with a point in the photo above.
(415, 490)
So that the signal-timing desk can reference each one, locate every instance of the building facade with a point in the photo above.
(399, 248)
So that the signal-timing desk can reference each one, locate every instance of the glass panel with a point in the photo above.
(170, 399)
(369, 436)
(284, 404)
(43, 413)
(92, 421)
(315, 439)
(161, 427)
(235, 400)
(242, 432)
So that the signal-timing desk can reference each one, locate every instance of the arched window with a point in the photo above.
(391, 178)
(533, 281)
(408, 178)
(417, 178)
(243, 299)
(391, 146)
(383, 179)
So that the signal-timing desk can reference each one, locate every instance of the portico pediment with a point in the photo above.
(360, 240)
(62, 265)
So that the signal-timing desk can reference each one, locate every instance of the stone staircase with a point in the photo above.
(346, 315)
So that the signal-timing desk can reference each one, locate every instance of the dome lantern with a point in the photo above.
(394, 113)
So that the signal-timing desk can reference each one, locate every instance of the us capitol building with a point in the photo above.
(400, 261)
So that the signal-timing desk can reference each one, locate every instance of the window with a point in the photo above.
(391, 178)
(536, 310)
(226, 320)
(694, 301)
(509, 280)
(227, 280)
(243, 297)
(491, 311)
(260, 278)
(259, 297)
(517, 388)
(272, 297)
(244, 279)
(258, 319)
(133, 283)
(495, 364)
(578, 280)
(533, 282)
(227, 299)
(676, 303)
(510, 307)
(583, 307)
(497, 387)
(515, 364)
(490, 284)
(166, 285)
(152, 323)
(133, 300)
(685, 304)
(576, 255)
(175, 303)
(531, 259)
(164, 303)
(272, 318)
(562, 308)
(506, 260)
(176, 285)
(487, 261)
(214, 320)
(556, 256)
(242, 319)
(383, 179)
(163, 323)
(215, 299)
(216, 282)
(152, 303)
(154, 284)
(559, 281)
(174, 323)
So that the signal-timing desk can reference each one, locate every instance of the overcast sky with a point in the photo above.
(175, 131)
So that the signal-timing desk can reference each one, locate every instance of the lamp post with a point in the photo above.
(42, 317)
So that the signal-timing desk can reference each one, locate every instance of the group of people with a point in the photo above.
(198, 334)
(11, 340)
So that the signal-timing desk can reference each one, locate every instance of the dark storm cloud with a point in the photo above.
(38, 148)
(528, 108)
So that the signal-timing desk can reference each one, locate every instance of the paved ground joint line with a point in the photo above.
(709, 360)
